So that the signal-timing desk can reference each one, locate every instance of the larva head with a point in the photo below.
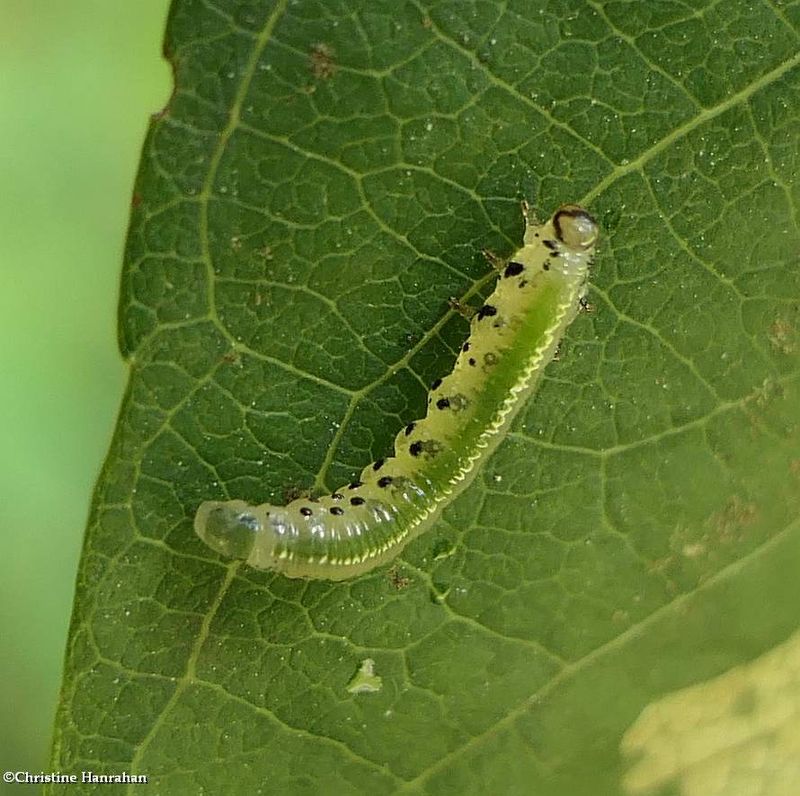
(575, 228)
(230, 528)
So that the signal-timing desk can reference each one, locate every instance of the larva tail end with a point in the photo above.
(228, 527)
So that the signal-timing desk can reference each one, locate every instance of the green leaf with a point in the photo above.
(323, 180)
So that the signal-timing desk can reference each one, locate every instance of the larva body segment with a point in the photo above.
(365, 524)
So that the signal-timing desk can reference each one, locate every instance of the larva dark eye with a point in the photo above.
(575, 228)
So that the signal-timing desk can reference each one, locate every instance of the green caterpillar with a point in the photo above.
(513, 336)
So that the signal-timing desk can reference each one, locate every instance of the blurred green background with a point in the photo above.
(78, 81)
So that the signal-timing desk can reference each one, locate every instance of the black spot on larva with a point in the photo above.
(513, 269)
(436, 384)
(337, 495)
(490, 358)
(551, 244)
(336, 511)
(523, 283)
(554, 254)
(306, 511)
(486, 311)
(356, 501)
(410, 428)
(385, 481)
(430, 447)
(443, 403)
(355, 485)
(465, 347)
(378, 464)
(472, 361)
(546, 265)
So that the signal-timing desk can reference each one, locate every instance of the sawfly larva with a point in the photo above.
(362, 525)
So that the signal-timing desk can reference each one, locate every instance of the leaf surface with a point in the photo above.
(322, 181)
